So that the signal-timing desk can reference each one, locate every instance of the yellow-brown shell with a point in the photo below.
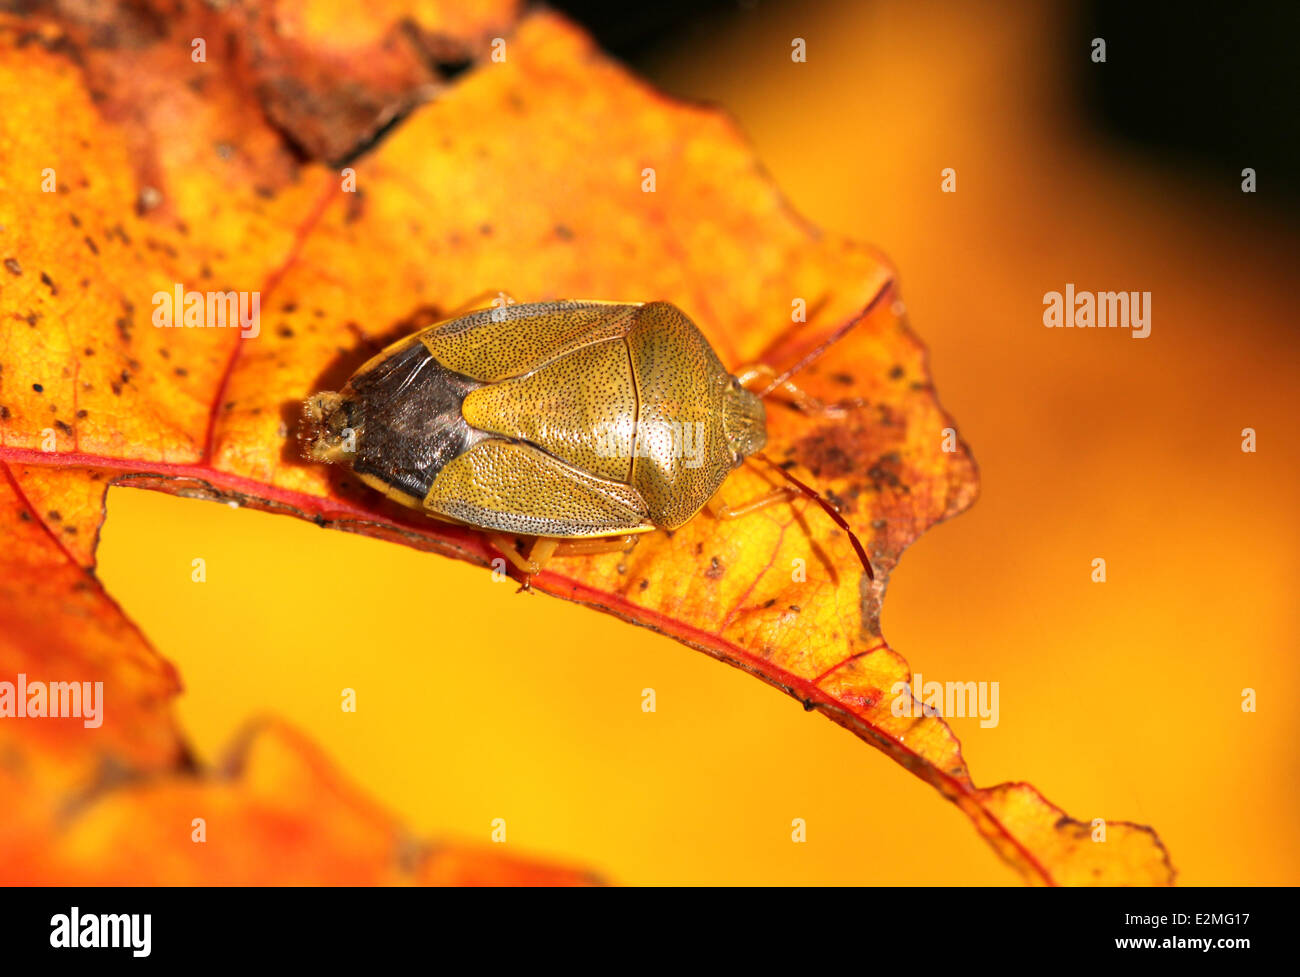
(575, 419)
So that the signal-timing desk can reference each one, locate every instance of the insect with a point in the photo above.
(576, 424)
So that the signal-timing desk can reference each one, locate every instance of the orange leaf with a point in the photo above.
(291, 818)
(526, 174)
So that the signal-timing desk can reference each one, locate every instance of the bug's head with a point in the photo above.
(328, 430)
(744, 422)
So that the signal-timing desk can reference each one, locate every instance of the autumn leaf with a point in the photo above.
(362, 180)
(88, 805)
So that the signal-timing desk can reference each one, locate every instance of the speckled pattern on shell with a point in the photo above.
(500, 343)
(581, 407)
(516, 488)
(682, 455)
(584, 418)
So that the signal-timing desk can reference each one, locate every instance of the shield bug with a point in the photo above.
(577, 424)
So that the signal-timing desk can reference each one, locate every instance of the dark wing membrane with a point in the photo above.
(406, 410)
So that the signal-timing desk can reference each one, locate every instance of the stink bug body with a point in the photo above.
(570, 422)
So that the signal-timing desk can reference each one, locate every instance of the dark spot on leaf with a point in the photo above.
(38, 388)
(356, 206)
(716, 570)
(885, 472)
(13, 266)
(829, 452)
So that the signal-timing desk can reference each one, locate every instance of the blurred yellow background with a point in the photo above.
(1118, 700)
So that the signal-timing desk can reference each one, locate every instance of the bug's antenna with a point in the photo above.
(831, 511)
(830, 341)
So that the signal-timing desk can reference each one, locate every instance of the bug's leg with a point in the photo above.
(539, 554)
(749, 374)
(757, 376)
(506, 547)
(547, 548)
(590, 547)
(720, 509)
